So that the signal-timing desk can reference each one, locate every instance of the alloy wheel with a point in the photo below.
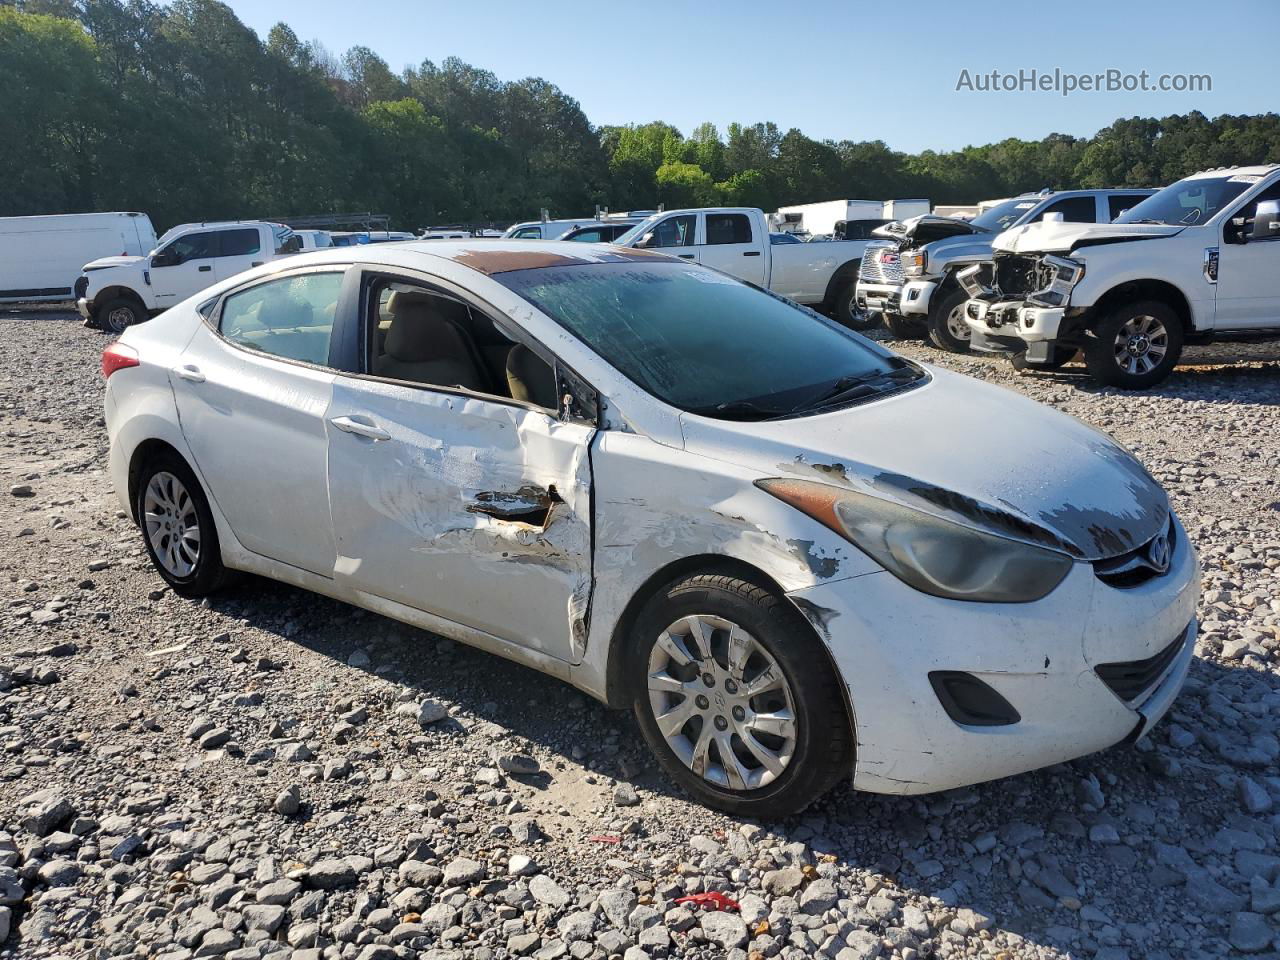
(118, 319)
(956, 325)
(1141, 344)
(722, 703)
(172, 524)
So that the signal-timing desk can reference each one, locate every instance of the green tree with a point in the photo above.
(684, 185)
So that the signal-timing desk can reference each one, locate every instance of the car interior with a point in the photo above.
(423, 336)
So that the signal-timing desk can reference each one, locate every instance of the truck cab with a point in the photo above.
(116, 292)
(1196, 260)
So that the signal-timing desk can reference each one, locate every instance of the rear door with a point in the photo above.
(461, 503)
(728, 244)
(184, 266)
(239, 249)
(252, 388)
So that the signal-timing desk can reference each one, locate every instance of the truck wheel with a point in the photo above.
(947, 327)
(849, 313)
(1135, 346)
(905, 328)
(120, 313)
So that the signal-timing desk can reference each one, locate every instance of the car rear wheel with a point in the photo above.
(906, 328)
(947, 327)
(1135, 346)
(736, 698)
(850, 314)
(177, 527)
(119, 314)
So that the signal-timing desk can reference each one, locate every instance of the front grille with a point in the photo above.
(1138, 566)
(1132, 678)
(877, 270)
(80, 288)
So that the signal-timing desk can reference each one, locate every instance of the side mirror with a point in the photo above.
(1233, 231)
(645, 242)
(1266, 222)
(163, 258)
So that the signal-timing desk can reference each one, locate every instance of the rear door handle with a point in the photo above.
(256, 263)
(205, 269)
(360, 428)
(189, 372)
(685, 256)
(751, 253)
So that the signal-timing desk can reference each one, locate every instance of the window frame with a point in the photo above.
(694, 234)
(567, 379)
(1053, 202)
(339, 355)
(706, 229)
(222, 234)
(215, 243)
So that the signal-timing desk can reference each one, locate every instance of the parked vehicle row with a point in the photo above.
(40, 257)
(672, 489)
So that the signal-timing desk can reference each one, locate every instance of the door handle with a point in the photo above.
(189, 372)
(205, 269)
(360, 429)
(256, 263)
(685, 256)
(751, 253)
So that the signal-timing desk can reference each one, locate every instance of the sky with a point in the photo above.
(836, 70)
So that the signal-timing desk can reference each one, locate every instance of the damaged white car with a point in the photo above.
(798, 557)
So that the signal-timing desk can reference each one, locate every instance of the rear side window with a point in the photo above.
(289, 317)
(1118, 204)
(590, 236)
(728, 228)
(240, 243)
(1073, 210)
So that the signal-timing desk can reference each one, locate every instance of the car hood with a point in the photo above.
(967, 451)
(103, 262)
(1053, 237)
(926, 229)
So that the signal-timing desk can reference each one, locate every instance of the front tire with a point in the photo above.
(119, 314)
(736, 697)
(850, 314)
(1135, 346)
(177, 527)
(905, 328)
(947, 327)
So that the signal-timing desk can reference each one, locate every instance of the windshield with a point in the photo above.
(639, 230)
(1190, 201)
(707, 343)
(1005, 215)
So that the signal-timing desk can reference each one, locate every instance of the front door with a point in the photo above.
(1249, 272)
(727, 245)
(459, 502)
(252, 398)
(184, 267)
(675, 235)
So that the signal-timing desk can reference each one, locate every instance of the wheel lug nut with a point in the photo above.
(722, 724)
(708, 679)
(730, 686)
(702, 702)
(739, 714)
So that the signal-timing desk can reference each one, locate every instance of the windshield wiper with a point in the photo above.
(854, 388)
(741, 410)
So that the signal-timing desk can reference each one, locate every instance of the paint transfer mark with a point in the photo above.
(819, 566)
(819, 616)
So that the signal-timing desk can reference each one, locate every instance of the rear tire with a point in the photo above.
(801, 741)
(848, 313)
(177, 527)
(947, 328)
(1135, 346)
(119, 314)
(904, 328)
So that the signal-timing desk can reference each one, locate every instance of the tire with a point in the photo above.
(1058, 359)
(904, 328)
(169, 492)
(808, 756)
(1135, 346)
(848, 313)
(946, 321)
(119, 313)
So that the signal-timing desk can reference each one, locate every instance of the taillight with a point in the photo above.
(117, 357)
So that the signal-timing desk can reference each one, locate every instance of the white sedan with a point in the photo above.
(795, 555)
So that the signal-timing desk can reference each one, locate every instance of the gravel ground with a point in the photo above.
(273, 773)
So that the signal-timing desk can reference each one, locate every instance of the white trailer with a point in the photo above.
(905, 209)
(823, 219)
(41, 257)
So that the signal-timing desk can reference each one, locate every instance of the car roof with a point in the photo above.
(1258, 170)
(490, 256)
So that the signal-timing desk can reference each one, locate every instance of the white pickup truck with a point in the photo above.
(736, 240)
(116, 292)
(1198, 259)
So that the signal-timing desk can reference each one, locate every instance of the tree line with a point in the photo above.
(183, 112)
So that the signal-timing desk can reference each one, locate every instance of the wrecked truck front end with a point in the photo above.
(1021, 302)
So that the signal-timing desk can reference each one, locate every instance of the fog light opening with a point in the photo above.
(970, 701)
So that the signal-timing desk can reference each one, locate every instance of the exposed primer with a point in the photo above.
(822, 567)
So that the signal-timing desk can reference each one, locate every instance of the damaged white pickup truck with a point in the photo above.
(674, 490)
(1197, 260)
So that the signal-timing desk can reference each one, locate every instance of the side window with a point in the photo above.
(588, 236)
(1073, 210)
(675, 231)
(290, 317)
(1119, 203)
(528, 233)
(194, 246)
(728, 228)
(240, 243)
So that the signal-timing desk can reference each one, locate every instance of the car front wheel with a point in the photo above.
(177, 527)
(119, 314)
(736, 697)
(947, 327)
(850, 314)
(1135, 346)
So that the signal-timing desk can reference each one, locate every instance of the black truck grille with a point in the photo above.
(1132, 678)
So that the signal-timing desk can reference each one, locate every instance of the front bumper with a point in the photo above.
(915, 297)
(886, 638)
(1014, 318)
(84, 308)
(879, 297)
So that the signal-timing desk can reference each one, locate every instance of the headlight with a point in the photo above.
(933, 555)
(913, 262)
